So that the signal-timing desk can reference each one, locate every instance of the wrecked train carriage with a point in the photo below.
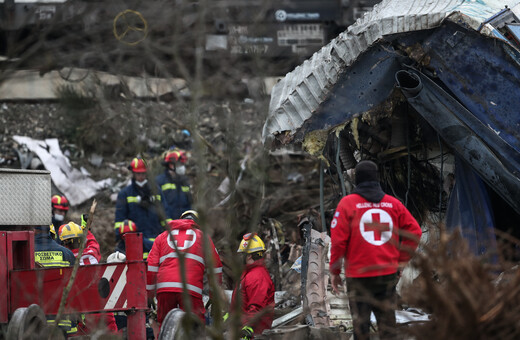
(433, 95)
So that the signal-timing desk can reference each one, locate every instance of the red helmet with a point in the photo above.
(60, 202)
(175, 156)
(137, 165)
(127, 226)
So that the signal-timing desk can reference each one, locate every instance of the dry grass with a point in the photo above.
(468, 297)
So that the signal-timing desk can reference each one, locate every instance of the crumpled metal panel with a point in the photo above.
(296, 97)
(315, 299)
(483, 75)
(449, 118)
(364, 86)
(25, 197)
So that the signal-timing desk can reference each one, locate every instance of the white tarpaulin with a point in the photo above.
(406, 316)
(75, 185)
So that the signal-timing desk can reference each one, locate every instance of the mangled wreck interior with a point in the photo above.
(433, 101)
(431, 93)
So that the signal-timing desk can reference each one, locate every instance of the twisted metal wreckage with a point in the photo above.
(430, 90)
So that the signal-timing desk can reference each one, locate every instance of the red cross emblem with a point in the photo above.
(183, 238)
(376, 226)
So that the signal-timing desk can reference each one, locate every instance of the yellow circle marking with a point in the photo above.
(126, 16)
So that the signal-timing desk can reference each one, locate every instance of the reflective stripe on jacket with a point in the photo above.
(143, 214)
(176, 194)
(163, 261)
(70, 327)
(50, 254)
(91, 253)
(51, 258)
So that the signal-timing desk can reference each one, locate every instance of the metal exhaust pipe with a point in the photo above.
(409, 83)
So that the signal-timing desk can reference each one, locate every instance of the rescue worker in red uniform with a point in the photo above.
(70, 236)
(256, 289)
(376, 236)
(164, 272)
(92, 252)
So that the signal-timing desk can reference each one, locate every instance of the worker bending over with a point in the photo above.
(70, 236)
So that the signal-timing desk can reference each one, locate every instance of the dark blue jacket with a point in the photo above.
(50, 254)
(176, 194)
(139, 205)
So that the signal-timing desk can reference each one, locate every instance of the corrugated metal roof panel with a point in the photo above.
(300, 93)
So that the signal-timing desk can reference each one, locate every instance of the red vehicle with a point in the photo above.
(31, 293)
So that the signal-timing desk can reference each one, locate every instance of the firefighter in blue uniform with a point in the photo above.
(50, 254)
(174, 185)
(60, 208)
(138, 204)
(47, 252)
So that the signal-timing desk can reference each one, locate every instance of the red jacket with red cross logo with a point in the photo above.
(164, 274)
(372, 238)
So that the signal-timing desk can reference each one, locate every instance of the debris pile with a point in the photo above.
(241, 178)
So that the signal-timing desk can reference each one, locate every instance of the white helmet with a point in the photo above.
(116, 257)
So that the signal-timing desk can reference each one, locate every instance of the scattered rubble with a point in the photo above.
(278, 188)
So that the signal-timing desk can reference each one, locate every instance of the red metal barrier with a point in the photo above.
(136, 292)
(4, 278)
